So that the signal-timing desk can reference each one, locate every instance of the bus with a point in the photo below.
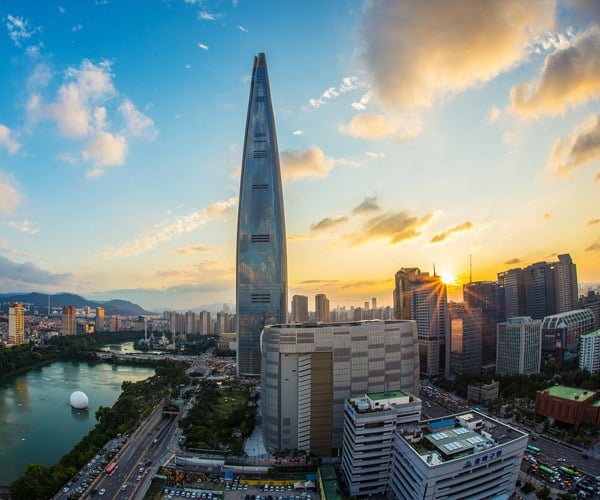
(547, 470)
(533, 449)
(566, 470)
(110, 468)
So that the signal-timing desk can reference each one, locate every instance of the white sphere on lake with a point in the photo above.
(79, 400)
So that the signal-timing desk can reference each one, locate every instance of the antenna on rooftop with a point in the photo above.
(434, 270)
(470, 269)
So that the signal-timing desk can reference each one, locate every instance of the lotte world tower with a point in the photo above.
(261, 282)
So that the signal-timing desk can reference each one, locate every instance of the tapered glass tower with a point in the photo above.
(261, 285)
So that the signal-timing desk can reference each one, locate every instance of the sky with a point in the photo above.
(463, 135)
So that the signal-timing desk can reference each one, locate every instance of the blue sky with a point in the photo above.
(410, 133)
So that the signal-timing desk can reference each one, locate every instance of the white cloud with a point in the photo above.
(9, 195)
(570, 77)
(297, 132)
(348, 84)
(494, 114)
(24, 226)
(169, 229)
(580, 149)
(202, 46)
(378, 126)
(77, 27)
(136, 122)
(371, 154)
(7, 140)
(19, 29)
(309, 163)
(241, 28)
(361, 105)
(105, 150)
(418, 51)
(204, 15)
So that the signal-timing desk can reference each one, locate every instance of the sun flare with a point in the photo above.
(448, 278)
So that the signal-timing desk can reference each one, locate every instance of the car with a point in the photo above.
(124, 487)
(139, 478)
(102, 492)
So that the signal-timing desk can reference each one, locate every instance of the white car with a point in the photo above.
(102, 491)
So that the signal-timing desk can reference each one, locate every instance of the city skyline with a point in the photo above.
(120, 155)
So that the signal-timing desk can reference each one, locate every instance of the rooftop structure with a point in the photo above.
(465, 455)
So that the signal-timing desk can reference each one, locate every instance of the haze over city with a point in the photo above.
(410, 133)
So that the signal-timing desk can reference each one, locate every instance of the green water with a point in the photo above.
(37, 423)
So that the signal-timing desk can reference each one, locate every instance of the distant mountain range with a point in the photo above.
(40, 301)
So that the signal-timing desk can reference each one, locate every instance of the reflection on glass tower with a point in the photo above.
(261, 287)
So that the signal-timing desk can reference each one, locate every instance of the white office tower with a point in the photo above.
(308, 371)
(468, 455)
(589, 352)
(369, 428)
(519, 346)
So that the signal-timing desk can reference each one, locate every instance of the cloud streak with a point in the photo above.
(328, 223)
(168, 230)
(10, 197)
(13, 274)
(348, 84)
(439, 237)
(367, 206)
(397, 227)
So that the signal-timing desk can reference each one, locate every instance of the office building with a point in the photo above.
(519, 346)
(541, 289)
(489, 297)
(566, 284)
(483, 393)
(466, 335)
(261, 269)
(309, 370)
(322, 308)
(299, 309)
(589, 352)
(423, 298)
(69, 320)
(99, 324)
(561, 333)
(16, 324)
(468, 455)
(369, 428)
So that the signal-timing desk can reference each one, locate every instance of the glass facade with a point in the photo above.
(261, 286)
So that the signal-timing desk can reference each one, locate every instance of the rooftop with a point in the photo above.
(459, 435)
(570, 393)
(378, 396)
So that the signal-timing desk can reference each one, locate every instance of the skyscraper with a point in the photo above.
(424, 299)
(99, 327)
(16, 323)
(519, 346)
(69, 320)
(261, 281)
(299, 309)
(322, 308)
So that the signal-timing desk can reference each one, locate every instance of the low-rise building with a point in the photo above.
(569, 405)
(483, 393)
(468, 455)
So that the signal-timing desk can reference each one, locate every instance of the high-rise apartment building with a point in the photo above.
(16, 324)
(261, 284)
(424, 298)
(69, 320)
(99, 325)
(489, 297)
(519, 346)
(589, 352)
(309, 370)
(322, 308)
(299, 309)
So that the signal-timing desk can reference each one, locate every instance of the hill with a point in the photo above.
(40, 301)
